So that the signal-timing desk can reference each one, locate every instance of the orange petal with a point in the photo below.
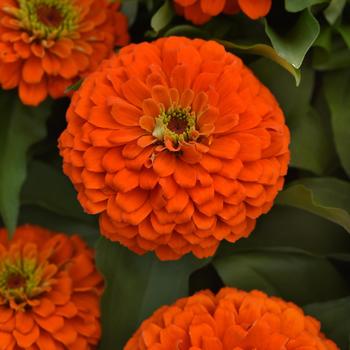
(32, 72)
(32, 94)
(224, 147)
(212, 8)
(255, 8)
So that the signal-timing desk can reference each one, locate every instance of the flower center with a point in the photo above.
(47, 19)
(22, 278)
(15, 281)
(48, 15)
(176, 124)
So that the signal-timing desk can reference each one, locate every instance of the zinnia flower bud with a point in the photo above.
(201, 11)
(230, 320)
(45, 45)
(49, 292)
(176, 145)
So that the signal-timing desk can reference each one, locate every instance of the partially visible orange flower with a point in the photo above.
(201, 11)
(49, 292)
(230, 320)
(177, 145)
(45, 45)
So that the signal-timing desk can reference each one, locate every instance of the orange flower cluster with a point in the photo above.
(201, 11)
(177, 145)
(231, 320)
(49, 292)
(45, 45)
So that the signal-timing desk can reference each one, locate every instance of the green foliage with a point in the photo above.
(20, 128)
(271, 269)
(294, 46)
(137, 286)
(327, 197)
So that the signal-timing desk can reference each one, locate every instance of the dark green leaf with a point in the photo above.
(163, 16)
(288, 273)
(186, 30)
(296, 228)
(294, 46)
(129, 8)
(299, 5)
(335, 320)
(20, 128)
(334, 10)
(344, 31)
(327, 197)
(50, 189)
(311, 142)
(89, 231)
(265, 51)
(337, 90)
(137, 286)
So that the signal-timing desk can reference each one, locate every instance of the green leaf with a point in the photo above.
(286, 226)
(89, 231)
(335, 320)
(288, 273)
(186, 30)
(163, 16)
(326, 197)
(294, 46)
(337, 90)
(136, 287)
(20, 128)
(311, 142)
(50, 189)
(264, 51)
(334, 10)
(344, 31)
(299, 5)
(130, 8)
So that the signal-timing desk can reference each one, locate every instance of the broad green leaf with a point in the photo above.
(163, 16)
(344, 31)
(299, 5)
(311, 143)
(337, 90)
(187, 30)
(89, 231)
(338, 59)
(334, 10)
(335, 320)
(326, 197)
(311, 147)
(129, 8)
(286, 226)
(288, 273)
(264, 51)
(20, 128)
(294, 46)
(136, 287)
(48, 188)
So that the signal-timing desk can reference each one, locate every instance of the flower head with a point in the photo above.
(201, 11)
(230, 320)
(49, 291)
(177, 145)
(45, 45)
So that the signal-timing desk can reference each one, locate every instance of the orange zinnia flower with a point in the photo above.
(177, 145)
(45, 45)
(201, 11)
(49, 292)
(231, 320)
